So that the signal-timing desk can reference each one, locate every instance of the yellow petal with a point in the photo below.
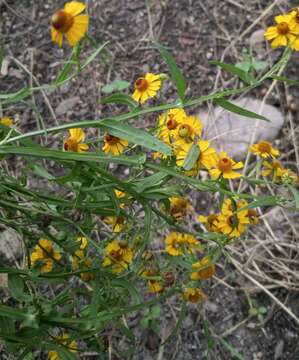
(215, 173)
(74, 7)
(238, 165)
(150, 77)
(271, 33)
(281, 40)
(231, 175)
(136, 95)
(57, 37)
(77, 134)
(82, 147)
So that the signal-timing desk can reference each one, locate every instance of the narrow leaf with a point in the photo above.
(238, 110)
(191, 157)
(176, 74)
(136, 136)
(244, 76)
(116, 85)
(119, 98)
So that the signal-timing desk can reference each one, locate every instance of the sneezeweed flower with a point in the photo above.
(117, 222)
(114, 145)
(75, 141)
(225, 167)
(273, 169)
(210, 222)
(146, 87)
(65, 341)
(169, 123)
(44, 255)
(6, 121)
(118, 256)
(179, 208)
(233, 222)
(176, 244)
(193, 295)
(154, 285)
(264, 149)
(283, 33)
(203, 269)
(207, 155)
(70, 23)
(188, 130)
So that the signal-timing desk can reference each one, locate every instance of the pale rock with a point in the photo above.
(233, 133)
(67, 105)
(10, 244)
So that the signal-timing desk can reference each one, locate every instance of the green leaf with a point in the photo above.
(295, 193)
(191, 157)
(15, 97)
(244, 65)
(238, 110)
(119, 98)
(45, 153)
(233, 351)
(116, 85)
(285, 79)
(64, 74)
(176, 74)
(136, 136)
(259, 65)
(263, 201)
(16, 286)
(94, 55)
(244, 76)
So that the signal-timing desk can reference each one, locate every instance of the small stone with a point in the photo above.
(10, 244)
(67, 105)
(279, 350)
(232, 133)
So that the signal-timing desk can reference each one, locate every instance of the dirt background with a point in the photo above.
(196, 32)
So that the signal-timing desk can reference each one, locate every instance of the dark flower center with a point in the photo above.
(224, 164)
(283, 28)
(111, 140)
(62, 21)
(141, 84)
(264, 147)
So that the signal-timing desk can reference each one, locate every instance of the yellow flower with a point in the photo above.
(146, 87)
(233, 222)
(225, 167)
(70, 23)
(207, 155)
(210, 222)
(204, 269)
(179, 207)
(117, 222)
(118, 256)
(74, 141)
(154, 286)
(283, 33)
(6, 121)
(193, 295)
(169, 124)
(44, 254)
(253, 216)
(273, 169)
(177, 243)
(294, 19)
(189, 128)
(264, 149)
(114, 145)
(65, 341)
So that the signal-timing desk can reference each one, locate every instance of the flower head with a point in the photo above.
(169, 124)
(65, 341)
(69, 23)
(6, 121)
(193, 295)
(114, 145)
(146, 87)
(188, 129)
(179, 207)
(264, 149)
(119, 256)
(283, 33)
(225, 167)
(233, 220)
(117, 222)
(45, 255)
(177, 244)
(154, 285)
(210, 222)
(74, 141)
(203, 269)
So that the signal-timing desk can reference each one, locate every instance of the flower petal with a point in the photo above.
(74, 7)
